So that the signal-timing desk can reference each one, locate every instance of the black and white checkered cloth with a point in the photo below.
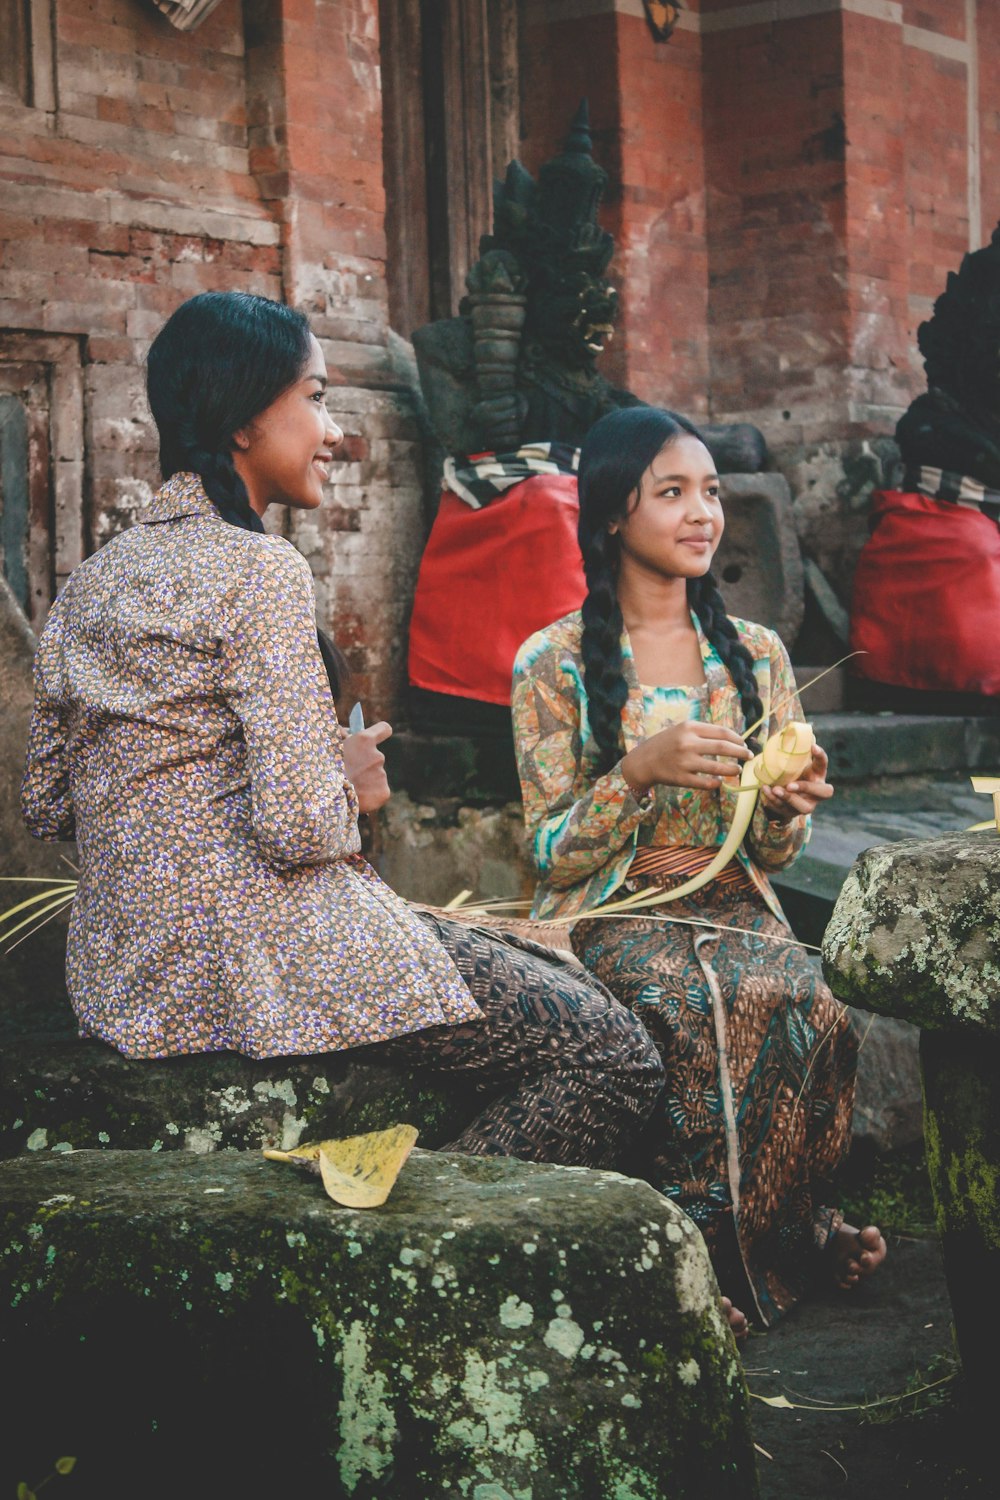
(955, 489)
(485, 476)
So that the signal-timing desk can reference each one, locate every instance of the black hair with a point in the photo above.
(616, 453)
(220, 360)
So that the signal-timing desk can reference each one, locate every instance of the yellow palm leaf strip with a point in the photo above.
(742, 818)
(988, 784)
(797, 692)
(63, 890)
(43, 921)
(53, 907)
(637, 916)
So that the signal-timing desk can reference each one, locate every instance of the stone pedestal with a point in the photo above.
(916, 934)
(217, 1326)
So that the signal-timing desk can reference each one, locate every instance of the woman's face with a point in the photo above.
(675, 524)
(284, 455)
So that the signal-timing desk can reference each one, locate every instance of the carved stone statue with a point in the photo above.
(937, 536)
(518, 364)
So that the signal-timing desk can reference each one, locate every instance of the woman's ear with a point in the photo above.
(241, 439)
(612, 528)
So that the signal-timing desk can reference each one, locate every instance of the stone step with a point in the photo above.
(863, 746)
(482, 770)
(217, 1326)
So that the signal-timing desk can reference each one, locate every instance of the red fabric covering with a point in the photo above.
(927, 597)
(490, 578)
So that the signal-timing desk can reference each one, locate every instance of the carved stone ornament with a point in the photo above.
(518, 363)
(662, 17)
(187, 14)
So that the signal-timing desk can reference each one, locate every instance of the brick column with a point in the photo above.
(775, 147)
(846, 181)
(645, 112)
(315, 110)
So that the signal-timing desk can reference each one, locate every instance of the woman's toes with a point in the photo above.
(872, 1248)
(859, 1252)
(737, 1320)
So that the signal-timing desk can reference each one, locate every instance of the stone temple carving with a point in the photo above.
(518, 364)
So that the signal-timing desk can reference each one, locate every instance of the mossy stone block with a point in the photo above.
(915, 932)
(962, 1130)
(497, 1331)
(61, 1094)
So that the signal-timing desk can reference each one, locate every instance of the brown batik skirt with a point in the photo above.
(760, 1064)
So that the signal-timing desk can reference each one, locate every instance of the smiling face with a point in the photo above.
(674, 525)
(284, 455)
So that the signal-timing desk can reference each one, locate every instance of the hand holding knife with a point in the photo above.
(364, 762)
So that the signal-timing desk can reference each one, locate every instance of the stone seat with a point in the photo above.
(215, 1325)
(63, 1093)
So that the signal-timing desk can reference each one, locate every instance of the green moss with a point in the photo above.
(967, 1181)
(378, 1369)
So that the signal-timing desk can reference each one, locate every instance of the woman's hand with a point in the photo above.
(691, 754)
(783, 803)
(364, 765)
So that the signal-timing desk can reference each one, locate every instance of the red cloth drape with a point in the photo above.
(490, 578)
(926, 605)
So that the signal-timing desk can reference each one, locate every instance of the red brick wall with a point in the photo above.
(181, 162)
(774, 149)
(989, 114)
(837, 157)
(134, 195)
(248, 154)
(645, 110)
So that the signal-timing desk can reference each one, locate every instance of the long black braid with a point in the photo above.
(217, 363)
(616, 453)
(710, 607)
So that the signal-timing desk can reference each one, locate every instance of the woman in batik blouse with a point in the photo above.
(184, 732)
(629, 718)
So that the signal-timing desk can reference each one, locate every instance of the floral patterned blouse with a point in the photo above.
(184, 733)
(585, 828)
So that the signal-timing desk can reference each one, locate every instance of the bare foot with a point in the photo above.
(736, 1320)
(857, 1254)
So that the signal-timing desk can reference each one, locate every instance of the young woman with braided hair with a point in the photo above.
(629, 720)
(184, 731)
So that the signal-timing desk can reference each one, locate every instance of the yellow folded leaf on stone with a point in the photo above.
(359, 1171)
(990, 784)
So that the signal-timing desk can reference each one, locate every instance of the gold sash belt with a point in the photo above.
(669, 864)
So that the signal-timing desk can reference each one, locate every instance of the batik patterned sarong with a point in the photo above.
(760, 1062)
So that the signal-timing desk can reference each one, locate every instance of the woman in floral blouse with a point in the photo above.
(184, 732)
(629, 718)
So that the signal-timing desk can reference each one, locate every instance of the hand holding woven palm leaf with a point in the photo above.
(784, 757)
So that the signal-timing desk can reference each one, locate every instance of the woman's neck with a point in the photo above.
(664, 642)
(651, 602)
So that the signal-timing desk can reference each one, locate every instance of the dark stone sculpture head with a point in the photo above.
(550, 227)
(519, 363)
(961, 342)
(955, 425)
